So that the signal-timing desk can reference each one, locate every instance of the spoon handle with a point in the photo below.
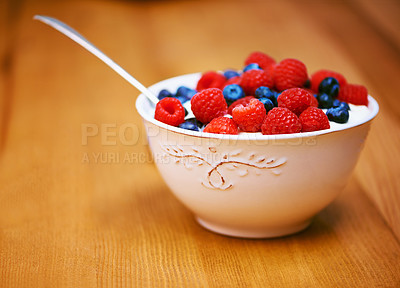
(78, 38)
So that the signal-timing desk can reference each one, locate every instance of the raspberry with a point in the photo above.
(208, 104)
(310, 91)
(280, 121)
(242, 101)
(252, 79)
(289, 73)
(354, 94)
(271, 69)
(211, 79)
(320, 75)
(249, 117)
(296, 100)
(222, 125)
(314, 101)
(260, 58)
(170, 111)
(313, 119)
(233, 80)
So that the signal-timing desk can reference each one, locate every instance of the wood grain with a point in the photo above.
(380, 73)
(77, 213)
(4, 65)
(3, 23)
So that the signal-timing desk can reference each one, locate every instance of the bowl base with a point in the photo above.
(254, 233)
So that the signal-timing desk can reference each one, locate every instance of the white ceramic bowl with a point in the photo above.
(253, 185)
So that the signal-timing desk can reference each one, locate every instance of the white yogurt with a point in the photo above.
(357, 114)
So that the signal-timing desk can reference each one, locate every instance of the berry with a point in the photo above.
(232, 93)
(329, 86)
(265, 92)
(289, 73)
(222, 125)
(242, 101)
(253, 79)
(313, 119)
(337, 103)
(296, 100)
(185, 92)
(164, 93)
(280, 121)
(314, 101)
(338, 115)
(230, 74)
(182, 99)
(208, 104)
(268, 104)
(251, 66)
(320, 75)
(233, 80)
(170, 111)
(354, 94)
(274, 98)
(211, 79)
(191, 124)
(324, 101)
(250, 117)
(271, 69)
(262, 59)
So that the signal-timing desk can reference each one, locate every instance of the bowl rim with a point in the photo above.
(142, 99)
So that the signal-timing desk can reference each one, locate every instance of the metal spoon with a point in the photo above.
(78, 38)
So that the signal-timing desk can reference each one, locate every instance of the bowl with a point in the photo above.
(253, 185)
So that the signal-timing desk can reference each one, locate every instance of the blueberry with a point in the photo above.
(329, 86)
(336, 103)
(265, 92)
(340, 104)
(232, 93)
(252, 66)
(185, 91)
(324, 101)
(191, 124)
(164, 93)
(338, 115)
(267, 103)
(183, 99)
(230, 74)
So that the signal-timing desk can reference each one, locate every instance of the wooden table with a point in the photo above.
(69, 222)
